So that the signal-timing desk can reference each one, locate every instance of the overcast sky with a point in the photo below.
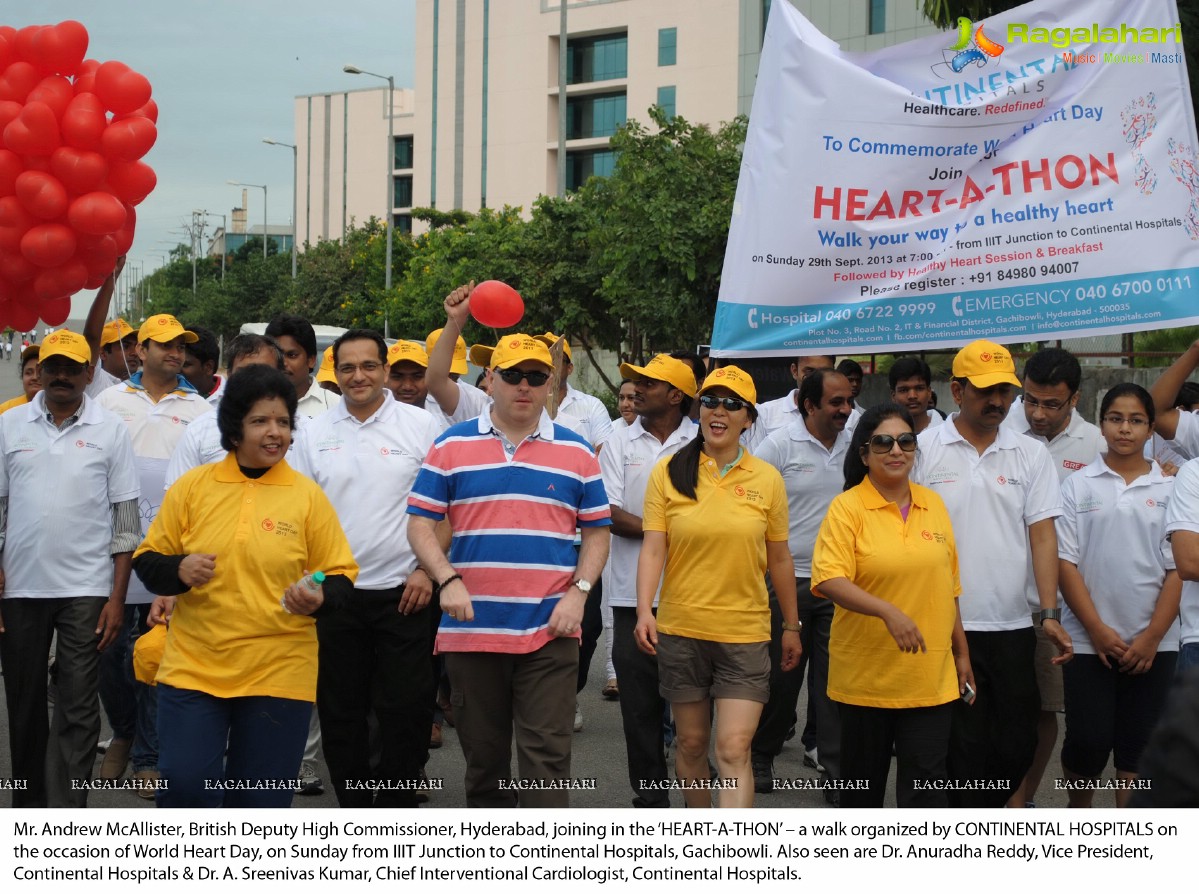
(225, 75)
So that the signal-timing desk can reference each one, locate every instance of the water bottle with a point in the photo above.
(311, 581)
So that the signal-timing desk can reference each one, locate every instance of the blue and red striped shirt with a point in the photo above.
(514, 519)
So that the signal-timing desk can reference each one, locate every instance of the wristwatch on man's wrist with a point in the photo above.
(583, 585)
(1049, 614)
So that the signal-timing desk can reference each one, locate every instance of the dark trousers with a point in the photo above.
(592, 628)
(206, 740)
(920, 738)
(495, 694)
(778, 716)
(372, 657)
(116, 687)
(994, 739)
(47, 756)
(641, 710)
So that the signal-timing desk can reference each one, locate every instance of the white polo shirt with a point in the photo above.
(1076, 446)
(992, 499)
(585, 415)
(316, 400)
(772, 416)
(1183, 515)
(367, 469)
(60, 487)
(814, 475)
(156, 430)
(1114, 533)
(101, 381)
(472, 402)
(201, 445)
(1186, 438)
(625, 464)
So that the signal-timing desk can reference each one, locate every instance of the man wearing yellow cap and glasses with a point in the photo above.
(1003, 495)
(514, 487)
(67, 474)
(157, 404)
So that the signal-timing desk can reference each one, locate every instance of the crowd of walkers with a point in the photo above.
(342, 551)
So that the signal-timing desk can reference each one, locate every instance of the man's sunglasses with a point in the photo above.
(884, 443)
(513, 377)
(732, 404)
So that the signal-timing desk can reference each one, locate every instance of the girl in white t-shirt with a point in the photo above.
(1121, 595)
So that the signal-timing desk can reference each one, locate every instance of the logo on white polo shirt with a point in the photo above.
(944, 476)
(1091, 504)
(326, 444)
(24, 445)
(1008, 481)
(88, 444)
(1159, 503)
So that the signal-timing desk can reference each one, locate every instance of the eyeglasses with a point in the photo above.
(1120, 421)
(1049, 406)
(732, 404)
(370, 366)
(63, 369)
(514, 376)
(884, 443)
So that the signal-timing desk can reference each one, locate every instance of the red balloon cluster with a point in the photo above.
(72, 135)
(496, 304)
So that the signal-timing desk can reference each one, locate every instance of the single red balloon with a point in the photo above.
(85, 78)
(56, 311)
(61, 281)
(97, 214)
(9, 111)
(79, 170)
(34, 131)
(124, 236)
(55, 91)
(128, 139)
(149, 110)
(83, 122)
(62, 46)
(496, 304)
(21, 316)
(41, 194)
(120, 88)
(132, 181)
(15, 268)
(17, 80)
(48, 245)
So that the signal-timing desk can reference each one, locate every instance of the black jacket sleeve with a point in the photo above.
(160, 574)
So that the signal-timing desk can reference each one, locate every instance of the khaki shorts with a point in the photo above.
(1049, 675)
(691, 670)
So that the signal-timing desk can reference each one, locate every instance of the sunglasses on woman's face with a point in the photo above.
(513, 377)
(884, 443)
(732, 404)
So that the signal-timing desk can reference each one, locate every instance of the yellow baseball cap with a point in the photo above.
(407, 350)
(164, 328)
(734, 379)
(512, 349)
(663, 368)
(325, 373)
(458, 364)
(985, 364)
(115, 330)
(480, 355)
(550, 339)
(65, 343)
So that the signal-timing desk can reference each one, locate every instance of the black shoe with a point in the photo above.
(763, 767)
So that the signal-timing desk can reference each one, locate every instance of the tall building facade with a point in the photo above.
(490, 116)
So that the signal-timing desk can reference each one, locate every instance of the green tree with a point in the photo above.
(660, 226)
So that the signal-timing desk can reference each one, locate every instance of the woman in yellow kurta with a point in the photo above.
(898, 658)
(715, 519)
(232, 540)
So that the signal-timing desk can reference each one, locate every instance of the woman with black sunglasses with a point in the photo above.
(715, 519)
(898, 659)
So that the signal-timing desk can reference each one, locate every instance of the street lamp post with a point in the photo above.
(295, 185)
(387, 157)
(263, 188)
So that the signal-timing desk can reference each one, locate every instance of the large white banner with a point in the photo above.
(1031, 176)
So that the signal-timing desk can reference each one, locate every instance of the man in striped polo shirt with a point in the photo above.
(514, 487)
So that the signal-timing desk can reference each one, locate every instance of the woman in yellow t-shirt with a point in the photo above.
(232, 541)
(715, 519)
(898, 658)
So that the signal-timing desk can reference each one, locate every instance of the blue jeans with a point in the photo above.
(144, 753)
(1188, 657)
(206, 740)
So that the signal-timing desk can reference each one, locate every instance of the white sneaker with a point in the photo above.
(812, 759)
(310, 783)
(578, 718)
